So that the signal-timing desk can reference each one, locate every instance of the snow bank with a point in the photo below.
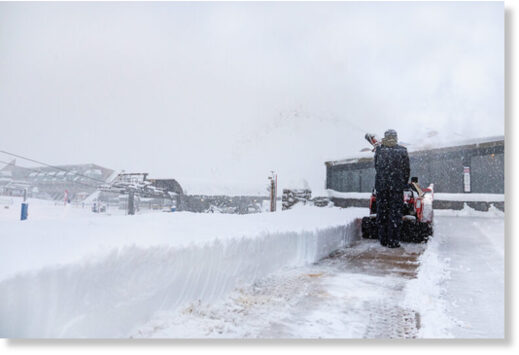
(468, 211)
(472, 197)
(99, 277)
(354, 195)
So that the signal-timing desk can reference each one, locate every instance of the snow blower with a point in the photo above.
(417, 213)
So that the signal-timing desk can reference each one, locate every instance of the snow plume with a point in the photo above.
(424, 294)
(304, 83)
(108, 296)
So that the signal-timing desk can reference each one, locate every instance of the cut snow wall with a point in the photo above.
(109, 297)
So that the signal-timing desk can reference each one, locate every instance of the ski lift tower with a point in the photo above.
(135, 184)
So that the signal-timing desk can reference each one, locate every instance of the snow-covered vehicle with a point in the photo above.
(417, 213)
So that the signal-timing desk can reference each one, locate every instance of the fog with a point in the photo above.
(227, 92)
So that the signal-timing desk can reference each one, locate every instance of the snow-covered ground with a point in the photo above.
(46, 210)
(473, 294)
(459, 290)
(356, 293)
(67, 272)
(97, 276)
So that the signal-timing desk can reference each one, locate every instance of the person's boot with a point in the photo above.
(393, 244)
(384, 242)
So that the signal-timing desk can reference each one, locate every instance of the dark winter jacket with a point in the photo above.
(392, 167)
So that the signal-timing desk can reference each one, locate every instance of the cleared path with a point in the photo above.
(358, 292)
(474, 293)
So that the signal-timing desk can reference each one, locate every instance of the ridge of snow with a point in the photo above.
(472, 197)
(423, 294)
(468, 211)
(99, 277)
(354, 195)
(438, 196)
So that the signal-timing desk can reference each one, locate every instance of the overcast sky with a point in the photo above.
(230, 91)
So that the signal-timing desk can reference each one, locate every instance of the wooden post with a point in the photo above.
(131, 203)
(273, 191)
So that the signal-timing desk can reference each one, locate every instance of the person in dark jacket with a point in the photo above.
(392, 175)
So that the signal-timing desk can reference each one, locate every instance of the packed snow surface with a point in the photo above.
(473, 254)
(459, 290)
(355, 293)
(92, 275)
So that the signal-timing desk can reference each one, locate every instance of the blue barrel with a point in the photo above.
(173, 209)
(25, 211)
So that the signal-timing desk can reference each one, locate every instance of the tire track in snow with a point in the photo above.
(355, 293)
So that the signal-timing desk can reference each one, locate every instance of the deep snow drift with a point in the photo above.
(100, 276)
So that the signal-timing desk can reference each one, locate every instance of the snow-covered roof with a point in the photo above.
(425, 145)
(428, 145)
(93, 172)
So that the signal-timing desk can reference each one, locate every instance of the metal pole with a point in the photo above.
(25, 207)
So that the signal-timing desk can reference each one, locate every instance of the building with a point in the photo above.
(472, 166)
(92, 184)
(78, 181)
(170, 185)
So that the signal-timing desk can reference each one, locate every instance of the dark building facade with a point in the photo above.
(474, 166)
